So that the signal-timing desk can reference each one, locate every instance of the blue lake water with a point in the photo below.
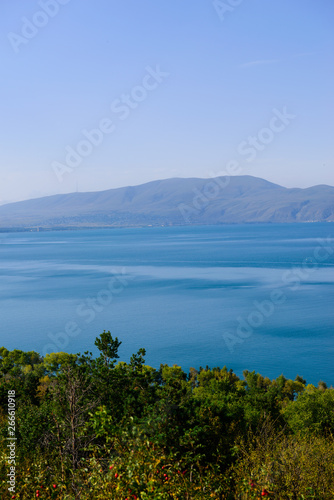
(256, 297)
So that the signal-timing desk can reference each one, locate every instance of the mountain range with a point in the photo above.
(177, 201)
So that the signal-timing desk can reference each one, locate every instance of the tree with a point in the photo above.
(108, 348)
(72, 398)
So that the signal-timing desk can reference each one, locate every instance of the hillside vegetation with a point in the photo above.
(94, 428)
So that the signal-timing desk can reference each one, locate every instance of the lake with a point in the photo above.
(255, 297)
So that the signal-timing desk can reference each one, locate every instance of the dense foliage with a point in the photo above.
(91, 427)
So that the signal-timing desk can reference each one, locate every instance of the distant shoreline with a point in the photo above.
(42, 229)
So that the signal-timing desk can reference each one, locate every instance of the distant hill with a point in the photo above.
(239, 199)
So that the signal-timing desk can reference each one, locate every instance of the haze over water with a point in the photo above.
(180, 292)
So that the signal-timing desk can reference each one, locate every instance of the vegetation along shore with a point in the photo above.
(75, 426)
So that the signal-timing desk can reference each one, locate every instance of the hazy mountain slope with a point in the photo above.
(176, 201)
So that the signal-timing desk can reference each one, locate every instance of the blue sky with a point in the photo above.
(226, 71)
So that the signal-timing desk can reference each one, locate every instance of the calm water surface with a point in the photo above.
(256, 297)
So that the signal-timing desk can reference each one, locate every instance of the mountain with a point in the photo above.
(237, 199)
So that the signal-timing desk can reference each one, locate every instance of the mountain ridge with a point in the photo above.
(175, 201)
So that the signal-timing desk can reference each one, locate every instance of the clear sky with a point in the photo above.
(179, 88)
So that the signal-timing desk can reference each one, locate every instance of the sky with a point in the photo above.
(104, 94)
